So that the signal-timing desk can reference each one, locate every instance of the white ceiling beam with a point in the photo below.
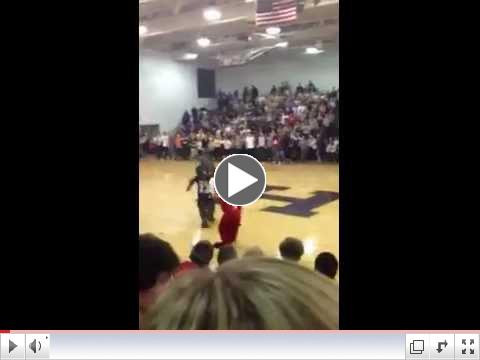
(193, 21)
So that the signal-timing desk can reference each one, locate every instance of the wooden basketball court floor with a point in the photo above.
(168, 211)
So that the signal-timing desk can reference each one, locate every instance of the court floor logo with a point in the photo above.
(298, 206)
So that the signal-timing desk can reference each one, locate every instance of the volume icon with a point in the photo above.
(35, 346)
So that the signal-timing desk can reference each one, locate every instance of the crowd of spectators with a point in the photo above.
(285, 125)
(254, 292)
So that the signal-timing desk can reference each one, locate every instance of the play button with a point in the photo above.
(240, 180)
(11, 346)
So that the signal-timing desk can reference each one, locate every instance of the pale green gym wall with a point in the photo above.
(281, 64)
(166, 89)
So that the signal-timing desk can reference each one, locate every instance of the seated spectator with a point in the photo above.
(143, 140)
(284, 143)
(253, 252)
(250, 143)
(218, 147)
(273, 91)
(185, 118)
(299, 89)
(291, 249)
(157, 145)
(336, 147)
(332, 150)
(178, 146)
(200, 257)
(164, 146)
(311, 88)
(261, 147)
(237, 143)
(171, 147)
(227, 145)
(327, 264)
(249, 294)
(186, 149)
(254, 92)
(312, 144)
(226, 253)
(158, 262)
(304, 148)
(246, 95)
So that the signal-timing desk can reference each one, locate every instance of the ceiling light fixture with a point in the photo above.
(190, 56)
(313, 51)
(142, 30)
(249, 1)
(273, 30)
(203, 42)
(212, 14)
(282, 44)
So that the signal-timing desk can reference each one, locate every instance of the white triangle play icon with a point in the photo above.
(238, 180)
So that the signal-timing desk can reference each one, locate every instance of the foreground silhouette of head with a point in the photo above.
(253, 293)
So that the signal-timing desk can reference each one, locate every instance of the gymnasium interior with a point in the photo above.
(211, 75)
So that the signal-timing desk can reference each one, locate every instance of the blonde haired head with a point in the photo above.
(254, 293)
(253, 251)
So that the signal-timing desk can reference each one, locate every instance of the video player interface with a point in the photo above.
(239, 345)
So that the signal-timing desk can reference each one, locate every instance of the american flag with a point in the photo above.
(270, 12)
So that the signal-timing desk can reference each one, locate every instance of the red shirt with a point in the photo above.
(291, 120)
(185, 267)
(230, 222)
(232, 214)
(178, 142)
(276, 142)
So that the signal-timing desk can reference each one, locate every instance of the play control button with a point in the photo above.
(240, 180)
(11, 346)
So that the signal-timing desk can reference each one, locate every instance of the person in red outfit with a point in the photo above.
(229, 224)
(200, 257)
